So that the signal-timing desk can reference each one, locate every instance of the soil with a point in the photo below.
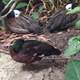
(46, 69)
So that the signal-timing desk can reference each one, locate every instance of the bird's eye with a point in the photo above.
(17, 13)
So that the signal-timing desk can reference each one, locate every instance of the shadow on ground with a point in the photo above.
(36, 67)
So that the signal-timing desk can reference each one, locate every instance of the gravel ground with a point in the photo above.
(44, 70)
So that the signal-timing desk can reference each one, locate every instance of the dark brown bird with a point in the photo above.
(61, 21)
(18, 23)
(29, 51)
(22, 24)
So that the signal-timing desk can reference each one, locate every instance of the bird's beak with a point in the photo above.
(74, 11)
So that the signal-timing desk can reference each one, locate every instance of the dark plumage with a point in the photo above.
(18, 23)
(61, 21)
(29, 51)
(22, 24)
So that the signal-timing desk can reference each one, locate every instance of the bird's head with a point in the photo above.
(72, 8)
(17, 45)
(17, 13)
(14, 14)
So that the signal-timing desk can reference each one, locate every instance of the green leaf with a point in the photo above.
(74, 40)
(77, 25)
(35, 15)
(40, 9)
(73, 46)
(21, 5)
(5, 1)
(72, 71)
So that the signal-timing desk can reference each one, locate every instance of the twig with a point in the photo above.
(7, 6)
(28, 6)
(12, 7)
(60, 58)
(4, 51)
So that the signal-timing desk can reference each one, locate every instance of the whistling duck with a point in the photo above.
(29, 51)
(61, 20)
(22, 24)
(18, 23)
(76, 10)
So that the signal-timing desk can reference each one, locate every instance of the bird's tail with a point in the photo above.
(53, 51)
(56, 52)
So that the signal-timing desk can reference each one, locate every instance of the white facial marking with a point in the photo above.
(69, 6)
(35, 54)
(41, 55)
(17, 13)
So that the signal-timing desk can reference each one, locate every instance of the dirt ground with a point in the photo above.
(46, 69)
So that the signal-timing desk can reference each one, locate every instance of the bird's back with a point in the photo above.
(33, 50)
(23, 24)
(33, 46)
(61, 21)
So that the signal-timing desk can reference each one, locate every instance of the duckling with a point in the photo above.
(17, 23)
(61, 21)
(30, 51)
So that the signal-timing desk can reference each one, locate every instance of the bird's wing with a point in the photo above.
(56, 22)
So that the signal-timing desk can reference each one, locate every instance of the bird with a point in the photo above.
(30, 51)
(76, 10)
(61, 21)
(17, 23)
